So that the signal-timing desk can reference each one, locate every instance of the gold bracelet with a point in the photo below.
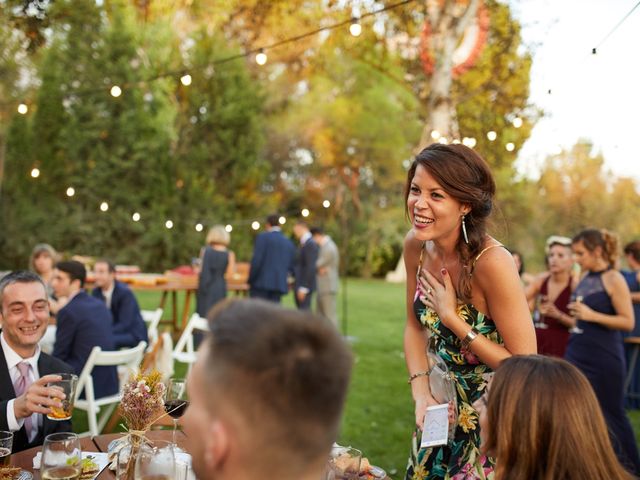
(469, 337)
(416, 375)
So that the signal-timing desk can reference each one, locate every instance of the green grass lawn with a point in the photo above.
(379, 413)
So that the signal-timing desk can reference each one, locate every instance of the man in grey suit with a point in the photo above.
(326, 275)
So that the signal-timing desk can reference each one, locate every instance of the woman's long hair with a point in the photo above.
(465, 176)
(545, 423)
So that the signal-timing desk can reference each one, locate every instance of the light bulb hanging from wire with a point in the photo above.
(186, 80)
(115, 91)
(261, 57)
(355, 28)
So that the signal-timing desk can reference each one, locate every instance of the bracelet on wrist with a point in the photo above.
(469, 338)
(416, 375)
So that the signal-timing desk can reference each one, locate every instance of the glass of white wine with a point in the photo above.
(61, 456)
(156, 461)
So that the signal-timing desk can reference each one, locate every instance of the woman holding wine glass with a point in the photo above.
(552, 293)
(603, 313)
(176, 402)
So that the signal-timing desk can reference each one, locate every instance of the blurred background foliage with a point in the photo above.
(329, 117)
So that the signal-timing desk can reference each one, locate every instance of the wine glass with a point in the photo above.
(61, 456)
(156, 461)
(537, 316)
(175, 401)
(575, 328)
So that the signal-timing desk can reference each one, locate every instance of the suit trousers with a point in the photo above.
(306, 303)
(327, 307)
(270, 295)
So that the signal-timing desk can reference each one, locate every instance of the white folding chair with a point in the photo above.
(152, 319)
(129, 358)
(184, 350)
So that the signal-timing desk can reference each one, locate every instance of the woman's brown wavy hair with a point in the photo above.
(593, 238)
(545, 423)
(465, 176)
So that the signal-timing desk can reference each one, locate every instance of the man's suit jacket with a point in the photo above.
(83, 323)
(128, 326)
(305, 266)
(46, 365)
(328, 259)
(272, 260)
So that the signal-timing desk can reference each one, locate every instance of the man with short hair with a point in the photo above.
(327, 278)
(129, 328)
(304, 269)
(25, 370)
(83, 323)
(266, 393)
(272, 260)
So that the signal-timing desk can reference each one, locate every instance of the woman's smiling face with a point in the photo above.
(434, 214)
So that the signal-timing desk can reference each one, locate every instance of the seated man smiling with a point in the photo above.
(266, 393)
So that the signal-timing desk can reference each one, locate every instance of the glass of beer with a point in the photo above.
(6, 444)
(61, 456)
(156, 461)
(68, 386)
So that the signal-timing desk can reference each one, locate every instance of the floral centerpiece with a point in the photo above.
(141, 406)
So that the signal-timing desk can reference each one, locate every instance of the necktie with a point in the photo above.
(21, 385)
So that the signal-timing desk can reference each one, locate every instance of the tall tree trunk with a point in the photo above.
(448, 20)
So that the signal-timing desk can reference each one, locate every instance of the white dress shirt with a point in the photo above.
(13, 359)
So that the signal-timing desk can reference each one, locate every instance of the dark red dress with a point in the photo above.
(553, 339)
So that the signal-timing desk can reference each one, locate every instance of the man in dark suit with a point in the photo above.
(305, 266)
(272, 260)
(129, 328)
(83, 323)
(24, 309)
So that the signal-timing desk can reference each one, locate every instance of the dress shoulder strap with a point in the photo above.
(475, 260)
(420, 261)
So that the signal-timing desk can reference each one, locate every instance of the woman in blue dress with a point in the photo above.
(602, 307)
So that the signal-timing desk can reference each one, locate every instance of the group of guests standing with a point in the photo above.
(313, 266)
(539, 417)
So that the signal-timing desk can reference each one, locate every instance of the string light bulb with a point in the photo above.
(23, 109)
(199, 227)
(135, 217)
(229, 228)
(116, 91)
(255, 225)
(71, 192)
(35, 172)
(355, 28)
(261, 57)
(443, 140)
(517, 122)
(305, 212)
(510, 147)
(435, 134)
(491, 135)
(168, 224)
(186, 80)
(326, 204)
(104, 206)
(282, 220)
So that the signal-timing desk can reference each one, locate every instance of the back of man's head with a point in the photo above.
(273, 220)
(285, 374)
(76, 270)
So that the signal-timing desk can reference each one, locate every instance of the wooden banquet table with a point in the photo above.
(99, 443)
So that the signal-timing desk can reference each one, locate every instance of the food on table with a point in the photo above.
(9, 473)
(89, 468)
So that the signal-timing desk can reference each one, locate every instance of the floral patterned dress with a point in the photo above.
(461, 459)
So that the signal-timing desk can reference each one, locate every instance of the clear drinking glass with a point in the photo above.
(175, 401)
(6, 445)
(156, 461)
(576, 329)
(61, 456)
(538, 317)
(68, 385)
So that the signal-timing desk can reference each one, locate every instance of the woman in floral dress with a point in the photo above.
(463, 292)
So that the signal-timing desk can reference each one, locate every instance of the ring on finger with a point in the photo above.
(429, 290)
